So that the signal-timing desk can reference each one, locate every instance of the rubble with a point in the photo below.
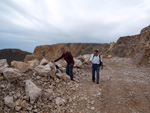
(41, 89)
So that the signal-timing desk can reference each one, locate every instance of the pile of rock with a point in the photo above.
(36, 86)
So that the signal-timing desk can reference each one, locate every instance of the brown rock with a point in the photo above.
(23, 67)
(24, 105)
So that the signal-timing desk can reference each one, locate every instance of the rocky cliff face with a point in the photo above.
(13, 54)
(51, 52)
(136, 46)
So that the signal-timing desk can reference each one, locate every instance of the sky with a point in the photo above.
(25, 24)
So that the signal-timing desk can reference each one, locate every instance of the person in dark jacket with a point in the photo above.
(70, 62)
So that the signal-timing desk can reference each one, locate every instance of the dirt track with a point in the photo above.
(123, 88)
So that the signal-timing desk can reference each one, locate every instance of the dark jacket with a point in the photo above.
(68, 58)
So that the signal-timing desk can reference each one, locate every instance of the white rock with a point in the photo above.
(92, 108)
(8, 100)
(62, 62)
(87, 58)
(22, 66)
(11, 74)
(60, 101)
(44, 62)
(63, 76)
(59, 65)
(33, 63)
(3, 65)
(48, 93)
(53, 68)
(81, 58)
(43, 70)
(32, 91)
(109, 56)
(78, 63)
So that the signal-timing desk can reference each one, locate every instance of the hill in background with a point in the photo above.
(13, 54)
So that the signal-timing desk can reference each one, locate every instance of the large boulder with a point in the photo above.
(87, 58)
(62, 62)
(44, 62)
(33, 63)
(12, 74)
(78, 63)
(32, 91)
(3, 65)
(43, 70)
(81, 58)
(53, 68)
(22, 66)
(8, 100)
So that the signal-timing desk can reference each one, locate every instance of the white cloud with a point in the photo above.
(54, 21)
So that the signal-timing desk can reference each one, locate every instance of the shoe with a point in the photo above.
(93, 81)
(97, 82)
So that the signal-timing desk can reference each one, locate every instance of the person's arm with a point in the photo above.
(59, 58)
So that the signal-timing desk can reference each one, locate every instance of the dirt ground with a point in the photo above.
(123, 88)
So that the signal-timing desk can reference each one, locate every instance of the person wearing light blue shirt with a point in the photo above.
(97, 63)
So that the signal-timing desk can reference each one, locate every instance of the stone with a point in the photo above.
(44, 62)
(43, 70)
(53, 68)
(32, 91)
(8, 100)
(1, 77)
(3, 65)
(33, 63)
(48, 93)
(24, 105)
(92, 102)
(109, 56)
(18, 108)
(62, 69)
(81, 58)
(60, 101)
(87, 58)
(22, 66)
(92, 108)
(35, 110)
(18, 102)
(63, 63)
(78, 63)
(63, 76)
(12, 74)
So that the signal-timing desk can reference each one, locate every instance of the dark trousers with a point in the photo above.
(95, 67)
(69, 71)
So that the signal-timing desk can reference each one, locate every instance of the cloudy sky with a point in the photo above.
(25, 24)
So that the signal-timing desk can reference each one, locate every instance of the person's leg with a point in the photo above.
(93, 73)
(67, 69)
(97, 71)
(71, 72)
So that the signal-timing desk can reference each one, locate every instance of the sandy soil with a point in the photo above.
(123, 88)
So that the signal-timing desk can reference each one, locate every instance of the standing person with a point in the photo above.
(70, 62)
(96, 61)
